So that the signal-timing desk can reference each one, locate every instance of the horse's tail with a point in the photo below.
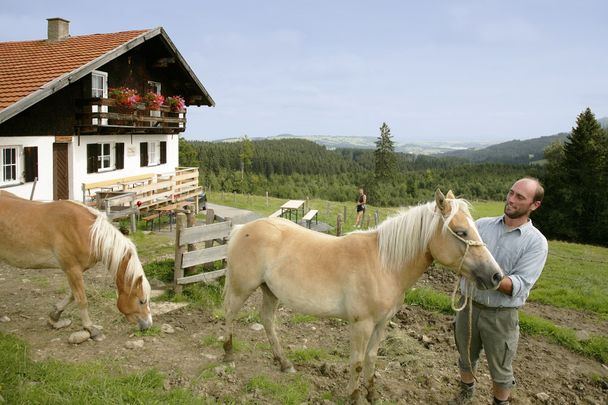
(110, 247)
(233, 234)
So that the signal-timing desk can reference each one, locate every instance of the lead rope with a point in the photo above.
(468, 296)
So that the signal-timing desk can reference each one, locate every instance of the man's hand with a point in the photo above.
(506, 286)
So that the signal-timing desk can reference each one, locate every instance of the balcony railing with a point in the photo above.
(103, 116)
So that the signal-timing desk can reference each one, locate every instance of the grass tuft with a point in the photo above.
(292, 392)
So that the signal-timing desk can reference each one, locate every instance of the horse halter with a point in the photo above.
(468, 243)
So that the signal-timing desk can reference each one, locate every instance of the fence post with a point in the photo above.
(190, 222)
(178, 272)
(339, 226)
(345, 213)
(376, 217)
(234, 192)
(209, 220)
(267, 198)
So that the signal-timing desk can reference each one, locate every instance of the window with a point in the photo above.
(18, 164)
(105, 156)
(8, 165)
(99, 89)
(154, 87)
(152, 153)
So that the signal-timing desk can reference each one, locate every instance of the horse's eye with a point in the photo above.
(462, 234)
(142, 302)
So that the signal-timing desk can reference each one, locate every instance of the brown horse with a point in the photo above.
(360, 277)
(73, 237)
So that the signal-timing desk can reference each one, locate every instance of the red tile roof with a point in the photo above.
(28, 65)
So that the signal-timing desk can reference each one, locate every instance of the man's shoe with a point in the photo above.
(465, 395)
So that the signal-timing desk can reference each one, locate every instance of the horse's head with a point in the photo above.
(457, 244)
(133, 296)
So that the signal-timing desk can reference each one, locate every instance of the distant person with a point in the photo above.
(521, 251)
(361, 201)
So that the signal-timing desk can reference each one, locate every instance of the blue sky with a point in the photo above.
(483, 71)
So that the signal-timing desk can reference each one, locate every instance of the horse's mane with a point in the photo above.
(110, 246)
(405, 236)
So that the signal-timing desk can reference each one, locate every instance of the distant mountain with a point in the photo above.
(515, 151)
(369, 142)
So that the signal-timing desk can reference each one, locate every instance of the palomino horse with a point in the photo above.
(73, 237)
(360, 277)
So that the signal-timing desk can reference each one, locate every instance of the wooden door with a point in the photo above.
(61, 187)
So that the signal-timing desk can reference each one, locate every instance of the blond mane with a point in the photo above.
(405, 236)
(110, 246)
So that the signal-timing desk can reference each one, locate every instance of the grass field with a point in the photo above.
(574, 277)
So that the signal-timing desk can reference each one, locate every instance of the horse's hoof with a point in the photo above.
(54, 316)
(94, 331)
(228, 357)
(99, 338)
(60, 324)
(355, 397)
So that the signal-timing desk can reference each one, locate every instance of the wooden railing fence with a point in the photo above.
(215, 238)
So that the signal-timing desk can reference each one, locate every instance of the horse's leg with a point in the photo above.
(369, 366)
(60, 307)
(269, 307)
(76, 281)
(360, 335)
(232, 305)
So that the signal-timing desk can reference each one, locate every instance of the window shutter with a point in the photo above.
(163, 152)
(92, 155)
(31, 163)
(143, 154)
(120, 156)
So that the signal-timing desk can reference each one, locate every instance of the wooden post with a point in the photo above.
(178, 271)
(209, 220)
(267, 198)
(133, 220)
(376, 217)
(339, 226)
(345, 213)
(190, 222)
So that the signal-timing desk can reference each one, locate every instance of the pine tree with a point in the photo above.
(575, 207)
(384, 156)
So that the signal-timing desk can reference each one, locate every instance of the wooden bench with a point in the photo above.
(310, 215)
(276, 214)
(150, 220)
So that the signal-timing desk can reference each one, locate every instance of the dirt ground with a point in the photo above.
(417, 362)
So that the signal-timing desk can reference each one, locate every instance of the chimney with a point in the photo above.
(58, 29)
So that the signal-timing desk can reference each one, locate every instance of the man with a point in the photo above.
(521, 251)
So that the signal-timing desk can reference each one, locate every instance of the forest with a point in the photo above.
(294, 168)
(574, 170)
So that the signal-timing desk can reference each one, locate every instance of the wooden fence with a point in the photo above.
(215, 238)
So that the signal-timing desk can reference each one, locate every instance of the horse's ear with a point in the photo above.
(450, 195)
(440, 199)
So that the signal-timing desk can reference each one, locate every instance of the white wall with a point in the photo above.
(77, 158)
(44, 186)
(78, 162)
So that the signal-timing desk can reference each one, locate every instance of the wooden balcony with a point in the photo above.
(102, 116)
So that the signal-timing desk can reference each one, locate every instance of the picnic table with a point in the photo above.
(170, 210)
(292, 206)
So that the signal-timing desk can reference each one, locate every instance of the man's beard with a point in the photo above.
(514, 214)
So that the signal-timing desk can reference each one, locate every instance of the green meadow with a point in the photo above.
(574, 277)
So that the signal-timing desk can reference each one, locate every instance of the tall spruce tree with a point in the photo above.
(384, 157)
(575, 207)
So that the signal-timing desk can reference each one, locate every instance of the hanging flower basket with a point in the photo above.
(124, 97)
(153, 101)
(176, 103)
